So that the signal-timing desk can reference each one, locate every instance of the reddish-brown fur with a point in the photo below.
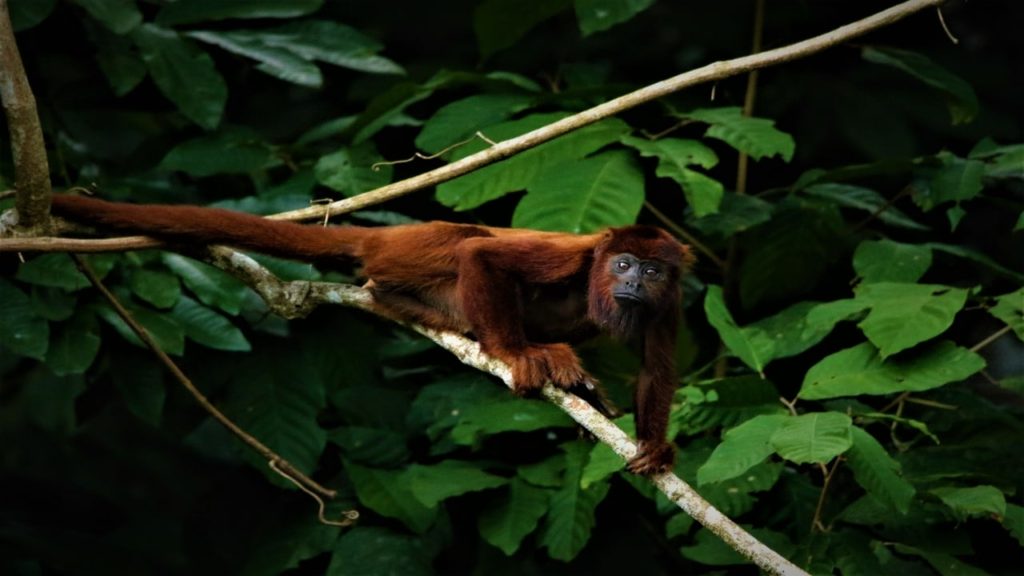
(522, 294)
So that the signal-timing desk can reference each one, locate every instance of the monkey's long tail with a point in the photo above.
(196, 226)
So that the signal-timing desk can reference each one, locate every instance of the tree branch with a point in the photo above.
(31, 169)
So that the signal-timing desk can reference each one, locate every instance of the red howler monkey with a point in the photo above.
(523, 294)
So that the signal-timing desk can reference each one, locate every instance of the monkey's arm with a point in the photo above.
(492, 273)
(654, 391)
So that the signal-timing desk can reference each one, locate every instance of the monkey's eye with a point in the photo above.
(652, 272)
(622, 265)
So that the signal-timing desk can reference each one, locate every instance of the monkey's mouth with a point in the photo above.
(627, 298)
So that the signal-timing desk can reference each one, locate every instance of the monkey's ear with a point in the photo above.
(687, 258)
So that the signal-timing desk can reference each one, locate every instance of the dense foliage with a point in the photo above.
(840, 397)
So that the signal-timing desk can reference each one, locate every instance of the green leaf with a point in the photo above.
(978, 257)
(459, 120)
(159, 288)
(212, 286)
(52, 303)
(183, 73)
(227, 152)
(725, 403)
(797, 328)
(973, 502)
(511, 415)
(877, 472)
(738, 342)
(816, 437)
(860, 370)
(166, 331)
(193, 11)
(756, 137)
(277, 398)
(379, 447)
(24, 332)
(603, 462)
(278, 62)
(866, 200)
(434, 484)
(888, 261)
(957, 180)
(904, 315)
(742, 448)
(507, 520)
(584, 196)
(501, 23)
(52, 270)
(123, 68)
(597, 15)
(207, 327)
(120, 16)
(1013, 521)
(703, 194)
(1010, 309)
(366, 550)
(960, 97)
(571, 519)
(547, 473)
(330, 42)
(389, 493)
(736, 213)
(522, 170)
(74, 346)
(351, 170)
(140, 382)
(27, 14)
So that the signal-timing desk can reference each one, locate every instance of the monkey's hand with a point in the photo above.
(536, 364)
(652, 458)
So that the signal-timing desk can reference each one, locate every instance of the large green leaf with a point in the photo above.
(675, 155)
(351, 170)
(165, 330)
(737, 340)
(159, 288)
(797, 328)
(597, 15)
(388, 493)
(736, 213)
(957, 180)
(976, 256)
(27, 14)
(520, 171)
(227, 152)
(120, 16)
(888, 261)
(877, 472)
(724, 403)
(1013, 521)
(584, 196)
(861, 370)
(816, 437)
(193, 11)
(74, 345)
(278, 62)
(960, 97)
(1010, 309)
(332, 43)
(183, 73)
(571, 519)
(24, 332)
(123, 68)
(742, 448)
(212, 286)
(904, 315)
(756, 137)
(500, 23)
(507, 520)
(866, 200)
(511, 415)
(366, 550)
(52, 270)
(976, 501)
(434, 484)
(458, 120)
(207, 327)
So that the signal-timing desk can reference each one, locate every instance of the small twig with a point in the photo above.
(991, 338)
(897, 401)
(377, 165)
(931, 403)
(350, 515)
(690, 238)
(271, 456)
(789, 404)
(675, 126)
(816, 523)
(942, 20)
(907, 190)
(8, 194)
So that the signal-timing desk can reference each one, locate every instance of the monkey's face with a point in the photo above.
(636, 282)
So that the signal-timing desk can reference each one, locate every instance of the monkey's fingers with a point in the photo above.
(591, 391)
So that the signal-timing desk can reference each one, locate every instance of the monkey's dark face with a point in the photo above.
(636, 282)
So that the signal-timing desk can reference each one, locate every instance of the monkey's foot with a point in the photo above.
(652, 458)
(537, 363)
